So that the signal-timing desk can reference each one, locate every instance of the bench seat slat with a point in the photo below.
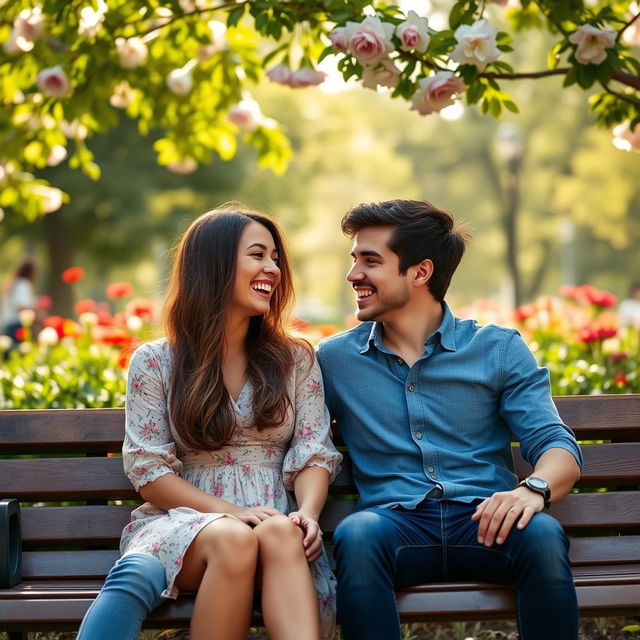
(433, 602)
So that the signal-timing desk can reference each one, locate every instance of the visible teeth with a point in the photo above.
(364, 293)
(261, 286)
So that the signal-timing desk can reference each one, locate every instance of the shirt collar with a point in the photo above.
(446, 333)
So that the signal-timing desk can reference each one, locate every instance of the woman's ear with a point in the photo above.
(423, 272)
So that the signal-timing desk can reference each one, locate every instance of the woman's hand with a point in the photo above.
(312, 541)
(252, 515)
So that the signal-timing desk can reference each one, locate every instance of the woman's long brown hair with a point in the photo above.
(199, 293)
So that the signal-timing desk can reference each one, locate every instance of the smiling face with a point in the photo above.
(257, 272)
(375, 276)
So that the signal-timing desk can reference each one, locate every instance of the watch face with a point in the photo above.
(538, 483)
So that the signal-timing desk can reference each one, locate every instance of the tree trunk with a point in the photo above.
(60, 250)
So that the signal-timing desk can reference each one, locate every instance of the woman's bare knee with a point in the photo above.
(279, 535)
(226, 544)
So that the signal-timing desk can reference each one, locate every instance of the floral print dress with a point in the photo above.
(254, 469)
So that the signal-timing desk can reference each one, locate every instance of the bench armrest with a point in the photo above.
(10, 543)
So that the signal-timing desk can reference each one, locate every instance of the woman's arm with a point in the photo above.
(311, 486)
(170, 491)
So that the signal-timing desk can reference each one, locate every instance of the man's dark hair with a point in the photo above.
(422, 231)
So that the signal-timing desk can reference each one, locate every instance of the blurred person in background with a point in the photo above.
(18, 297)
(629, 310)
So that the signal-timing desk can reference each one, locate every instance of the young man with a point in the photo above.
(427, 405)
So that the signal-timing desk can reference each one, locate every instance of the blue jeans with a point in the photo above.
(379, 549)
(132, 590)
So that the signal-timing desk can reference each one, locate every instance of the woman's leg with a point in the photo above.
(220, 564)
(132, 589)
(289, 599)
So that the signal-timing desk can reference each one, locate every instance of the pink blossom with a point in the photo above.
(246, 114)
(414, 33)
(370, 40)
(53, 81)
(383, 74)
(476, 44)
(184, 166)
(592, 43)
(306, 77)
(280, 74)
(339, 39)
(29, 24)
(50, 197)
(436, 92)
(132, 52)
(626, 139)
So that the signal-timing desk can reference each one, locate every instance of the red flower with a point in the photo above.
(617, 357)
(72, 274)
(621, 379)
(300, 325)
(593, 334)
(21, 334)
(119, 290)
(597, 297)
(105, 319)
(85, 306)
(140, 307)
(569, 291)
(44, 302)
(603, 299)
(523, 312)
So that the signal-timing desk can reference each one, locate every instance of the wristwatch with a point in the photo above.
(539, 486)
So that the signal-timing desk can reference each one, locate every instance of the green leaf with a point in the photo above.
(511, 106)
(235, 15)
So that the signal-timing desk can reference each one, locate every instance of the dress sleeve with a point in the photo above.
(311, 442)
(148, 450)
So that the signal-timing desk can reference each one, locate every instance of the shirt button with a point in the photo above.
(399, 360)
(411, 388)
(433, 476)
(419, 436)
(430, 469)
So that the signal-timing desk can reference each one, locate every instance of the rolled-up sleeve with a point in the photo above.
(311, 443)
(148, 449)
(527, 407)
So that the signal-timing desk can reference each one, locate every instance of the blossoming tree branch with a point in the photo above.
(187, 68)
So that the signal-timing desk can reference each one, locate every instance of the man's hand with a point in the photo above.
(498, 513)
(312, 541)
(253, 515)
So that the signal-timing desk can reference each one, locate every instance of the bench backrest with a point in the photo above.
(76, 498)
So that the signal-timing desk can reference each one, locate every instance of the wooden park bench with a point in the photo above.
(73, 514)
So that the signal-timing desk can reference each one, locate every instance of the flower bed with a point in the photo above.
(81, 361)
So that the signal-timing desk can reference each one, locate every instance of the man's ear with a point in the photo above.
(423, 272)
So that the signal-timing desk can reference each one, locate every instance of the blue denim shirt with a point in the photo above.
(447, 420)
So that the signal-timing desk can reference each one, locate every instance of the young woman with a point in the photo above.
(223, 417)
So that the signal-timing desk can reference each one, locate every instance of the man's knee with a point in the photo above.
(543, 546)
(360, 529)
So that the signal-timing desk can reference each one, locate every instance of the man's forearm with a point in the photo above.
(561, 471)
